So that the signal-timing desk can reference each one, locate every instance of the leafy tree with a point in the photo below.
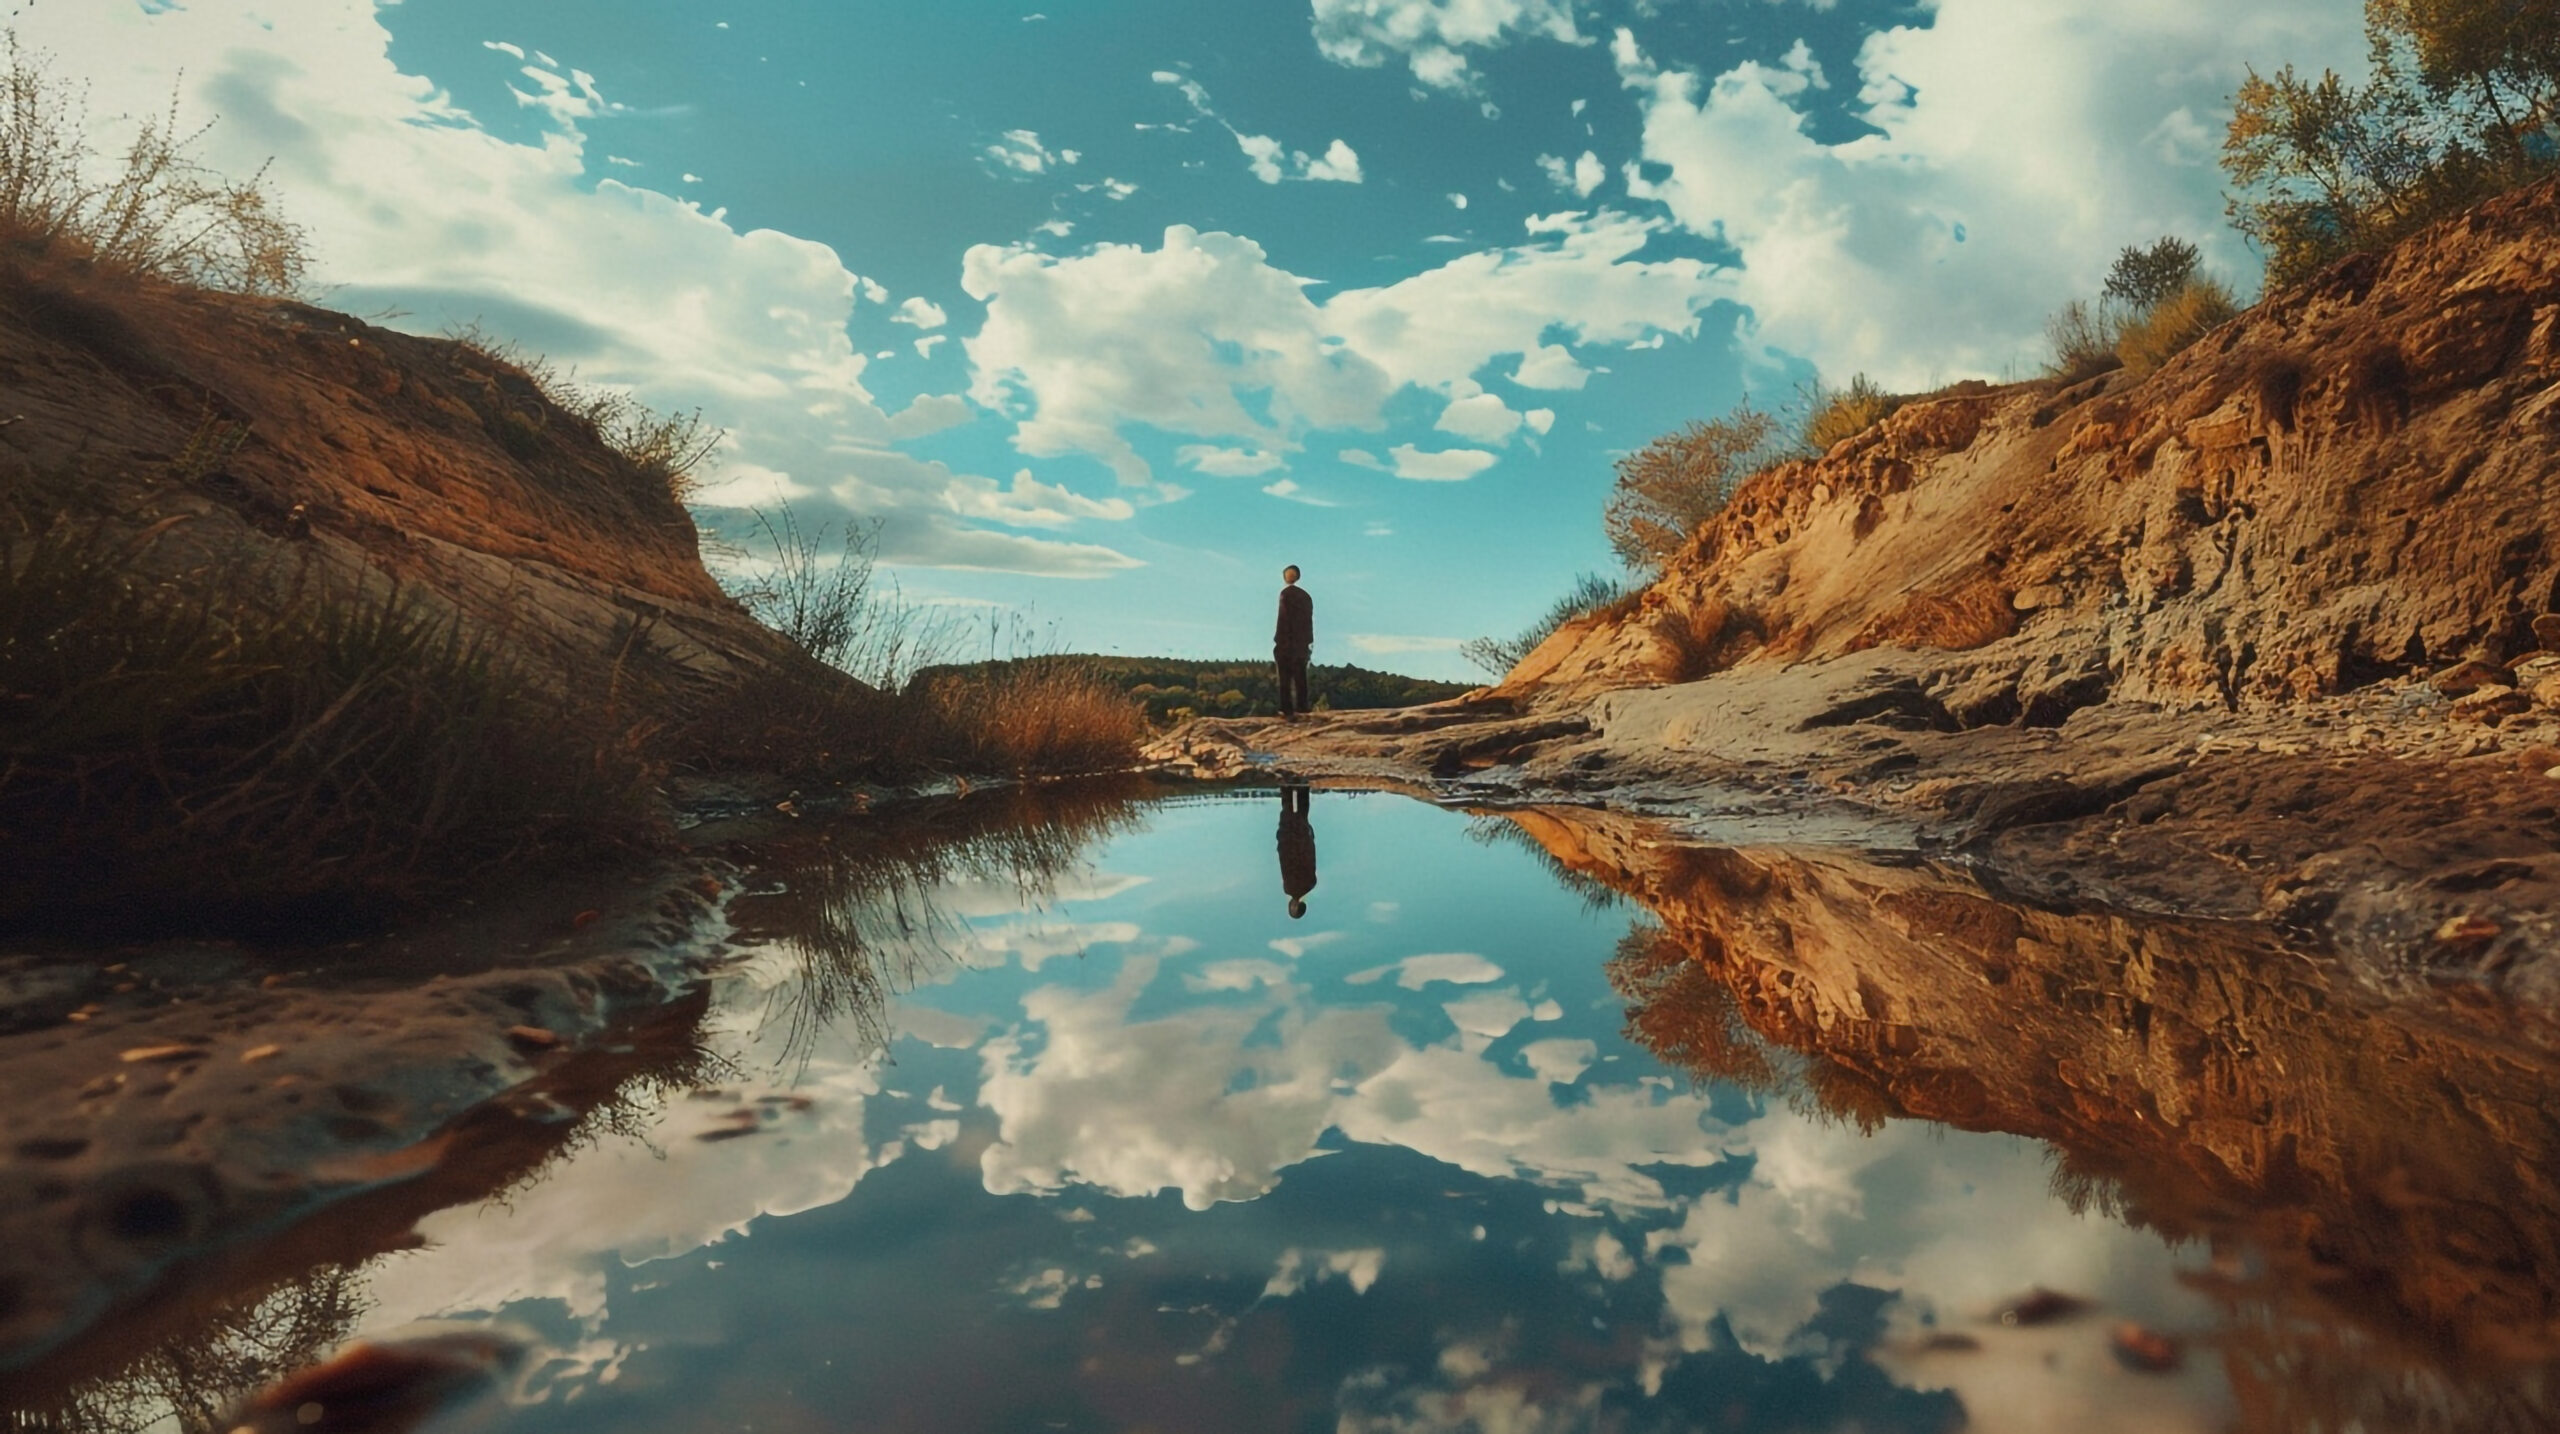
(1680, 480)
(2463, 103)
(2142, 277)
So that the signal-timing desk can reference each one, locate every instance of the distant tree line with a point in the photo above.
(1173, 689)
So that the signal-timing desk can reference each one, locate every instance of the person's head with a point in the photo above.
(1289, 574)
(1297, 907)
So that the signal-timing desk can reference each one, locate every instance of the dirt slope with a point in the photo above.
(2355, 478)
(276, 430)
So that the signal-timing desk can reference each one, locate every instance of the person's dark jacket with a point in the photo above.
(1297, 628)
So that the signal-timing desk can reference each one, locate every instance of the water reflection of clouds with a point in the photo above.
(1458, 968)
(1677, 1239)
(1177, 1102)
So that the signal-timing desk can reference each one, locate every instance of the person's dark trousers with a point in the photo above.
(1293, 679)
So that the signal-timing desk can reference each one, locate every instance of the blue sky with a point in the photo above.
(1105, 309)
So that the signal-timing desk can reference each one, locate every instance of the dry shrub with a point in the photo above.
(2198, 307)
(240, 747)
(1049, 715)
(1668, 488)
(1592, 595)
(2083, 337)
(1682, 1011)
(845, 704)
(157, 213)
(1834, 415)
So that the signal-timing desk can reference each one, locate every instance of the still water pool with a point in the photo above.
(1091, 1132)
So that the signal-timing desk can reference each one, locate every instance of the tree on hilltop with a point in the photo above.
(2463, 104)
(2143, 276)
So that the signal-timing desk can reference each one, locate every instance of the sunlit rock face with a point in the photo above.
(2349, 478)
(2370, 1168)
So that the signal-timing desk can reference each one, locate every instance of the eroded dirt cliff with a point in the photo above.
(285, 435)
(2354, 479)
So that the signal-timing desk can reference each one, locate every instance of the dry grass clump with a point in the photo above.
(2195, 309)
(1592, 594)
(1835, 414)
(156, 213)
(667, 450)
(848, 704)
(2083, 338)
(1701, 638)
(1036, 715)
(229, 746)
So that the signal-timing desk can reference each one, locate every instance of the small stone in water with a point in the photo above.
(260, 1053)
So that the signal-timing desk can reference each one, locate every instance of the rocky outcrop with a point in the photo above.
(295, 440)
(2353, 479)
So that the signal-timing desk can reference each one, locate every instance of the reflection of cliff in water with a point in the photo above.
(2375, 1176)
(854, 913)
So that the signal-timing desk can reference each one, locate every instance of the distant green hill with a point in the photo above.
(1175, 688)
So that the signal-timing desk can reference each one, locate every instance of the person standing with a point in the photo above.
(1292, 641)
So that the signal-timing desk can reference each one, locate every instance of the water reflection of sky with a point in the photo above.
(1148, 1153)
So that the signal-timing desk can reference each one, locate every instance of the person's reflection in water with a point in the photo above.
(1297, 849)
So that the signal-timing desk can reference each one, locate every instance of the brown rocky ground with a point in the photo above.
(2261, 635)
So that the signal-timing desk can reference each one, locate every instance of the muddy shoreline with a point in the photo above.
(199, 1124)
(2378, 824)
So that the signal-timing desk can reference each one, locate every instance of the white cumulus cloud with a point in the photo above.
(922, 312)
(1433, 36)
(412, 204)
(1446, 465)
(1937, 244)
(1078, 348)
